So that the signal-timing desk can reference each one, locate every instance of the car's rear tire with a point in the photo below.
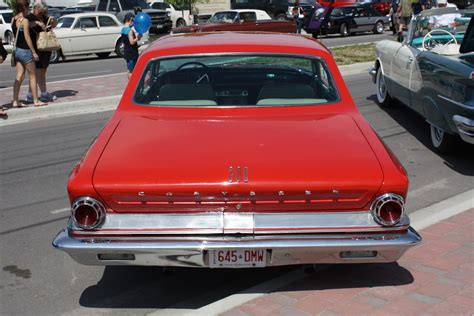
(103, 55)
(180, 23)
(378, 27)
(55, 56)
(9, 38)
(280, 17)
(383, 97)
(442, 142)
(119, 48)
(344, 30)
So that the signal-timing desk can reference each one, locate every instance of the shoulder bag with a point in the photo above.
(13, 59)
(47, 41)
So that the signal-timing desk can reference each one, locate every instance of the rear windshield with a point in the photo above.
(234, 80)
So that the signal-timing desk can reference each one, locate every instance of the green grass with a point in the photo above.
(354, 54)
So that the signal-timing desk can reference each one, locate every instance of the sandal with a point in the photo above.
(40, 103)
(3, 114)
(18, 105)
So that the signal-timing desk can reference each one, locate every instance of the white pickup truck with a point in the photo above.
(178, 17)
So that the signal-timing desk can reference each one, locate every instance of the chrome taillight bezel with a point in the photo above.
(95, 205)
(380, 201)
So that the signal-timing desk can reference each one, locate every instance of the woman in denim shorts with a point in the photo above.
(25, 54)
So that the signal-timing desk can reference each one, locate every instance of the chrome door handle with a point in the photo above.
(410, 59)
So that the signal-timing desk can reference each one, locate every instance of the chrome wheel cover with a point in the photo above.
(381, 88)
(379, 27)
(437, 136)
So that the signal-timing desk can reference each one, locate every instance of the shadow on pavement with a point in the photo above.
(347, 276)
(459, 160)
(151, 288)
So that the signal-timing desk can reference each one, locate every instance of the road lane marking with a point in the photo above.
(62, 210)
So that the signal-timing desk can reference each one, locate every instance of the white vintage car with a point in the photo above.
(6, 33)
(88, 33)
(432, 72)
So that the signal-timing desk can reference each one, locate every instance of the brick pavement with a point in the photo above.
(76, 89)
(434, 278)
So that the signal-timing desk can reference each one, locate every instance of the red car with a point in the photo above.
(237, 150)
(240, 20)
(336, 3)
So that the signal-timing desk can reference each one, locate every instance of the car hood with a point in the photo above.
(155, 164)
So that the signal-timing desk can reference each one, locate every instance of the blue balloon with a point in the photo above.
(142, 22)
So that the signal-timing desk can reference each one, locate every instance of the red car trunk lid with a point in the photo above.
(153, 164)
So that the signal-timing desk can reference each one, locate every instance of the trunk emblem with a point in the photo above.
(238, 175)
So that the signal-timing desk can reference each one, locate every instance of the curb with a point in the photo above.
(420, 219)
(102, 104)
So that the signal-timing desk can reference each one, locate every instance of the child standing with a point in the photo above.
(130, 42)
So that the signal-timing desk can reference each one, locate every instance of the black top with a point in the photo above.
(36, 29)
(130, 51)
(20, 41)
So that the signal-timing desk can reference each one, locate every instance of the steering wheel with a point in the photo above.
(429, 38)
(202, 77)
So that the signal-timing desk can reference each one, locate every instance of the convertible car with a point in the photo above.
(432, 72)
(237, 150)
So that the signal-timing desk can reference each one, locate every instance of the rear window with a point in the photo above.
(236, 80)
(7, 17)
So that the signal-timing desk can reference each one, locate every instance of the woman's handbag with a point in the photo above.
(13, 59)
(47, 41)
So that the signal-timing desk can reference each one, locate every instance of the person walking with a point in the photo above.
(130, 43)
(394, 16)
(40, 22)
(25, 54)
(405, 11)
(296, 11)
(3, 56)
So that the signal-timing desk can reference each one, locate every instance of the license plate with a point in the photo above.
(159, 26)
(241, 258)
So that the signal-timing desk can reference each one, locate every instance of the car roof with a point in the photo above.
(6, 11)
(218, 42)
(89, 13)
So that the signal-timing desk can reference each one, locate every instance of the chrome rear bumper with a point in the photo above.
(187, 251)
(465, 128)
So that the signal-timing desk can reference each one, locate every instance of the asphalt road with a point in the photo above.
(36, 159)
(87, 66)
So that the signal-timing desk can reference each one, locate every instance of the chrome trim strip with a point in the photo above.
(456, 103)
(465, 128)
(281, 250)
(239, 222)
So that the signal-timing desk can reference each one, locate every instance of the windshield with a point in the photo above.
(437, 29)
(7, 17)
(65, 23)
(236, 80)
(131, 4)
(226, 16)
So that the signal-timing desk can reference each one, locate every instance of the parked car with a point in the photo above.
(240, 20)
(80, 8)
(277, 9)
(336, 3)
(462, 4)
(432, 72)
(178, 17)
(57, 13)
(230, 150)
(382, 6)
(89, 33)
(160, 19)
(346, 20)
(6, 32)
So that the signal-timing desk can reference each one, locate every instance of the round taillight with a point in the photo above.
(388, 209)
(88, 213)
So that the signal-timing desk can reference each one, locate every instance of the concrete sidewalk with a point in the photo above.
(92, 94)
(435, 278)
